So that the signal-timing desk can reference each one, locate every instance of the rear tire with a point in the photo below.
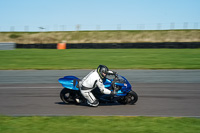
(67, 96)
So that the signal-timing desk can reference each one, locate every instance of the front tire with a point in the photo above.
(130, 98)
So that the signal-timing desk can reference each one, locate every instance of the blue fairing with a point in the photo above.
(125, 87)
(68, 82)
(107, 83)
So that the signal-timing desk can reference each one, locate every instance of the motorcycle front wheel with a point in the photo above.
(130, 98)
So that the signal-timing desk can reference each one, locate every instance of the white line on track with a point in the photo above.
(57, 87)
(7, 87)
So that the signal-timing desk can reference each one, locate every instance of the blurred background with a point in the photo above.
(101, 27)
(90, 21)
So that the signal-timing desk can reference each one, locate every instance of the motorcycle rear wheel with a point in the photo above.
(67, 96)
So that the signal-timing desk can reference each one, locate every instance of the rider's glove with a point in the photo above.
(114, 72)
(111, 73)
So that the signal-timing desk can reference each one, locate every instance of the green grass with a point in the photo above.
(96, 124)
(116, 36)
(20, 59)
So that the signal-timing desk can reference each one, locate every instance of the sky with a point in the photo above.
(69, 15)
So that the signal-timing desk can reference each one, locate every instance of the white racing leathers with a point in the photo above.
(88, 83)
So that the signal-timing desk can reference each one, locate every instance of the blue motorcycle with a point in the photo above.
(125, 95)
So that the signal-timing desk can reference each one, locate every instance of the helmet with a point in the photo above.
(102, 69)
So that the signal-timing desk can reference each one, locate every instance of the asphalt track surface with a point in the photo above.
(161, 93)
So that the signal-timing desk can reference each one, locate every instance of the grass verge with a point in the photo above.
(96, 124)
(116, 36)
(41, 59)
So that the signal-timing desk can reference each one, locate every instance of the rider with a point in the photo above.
(91, 81)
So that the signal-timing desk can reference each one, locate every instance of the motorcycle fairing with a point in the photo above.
(69, 82)
(123, 82)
